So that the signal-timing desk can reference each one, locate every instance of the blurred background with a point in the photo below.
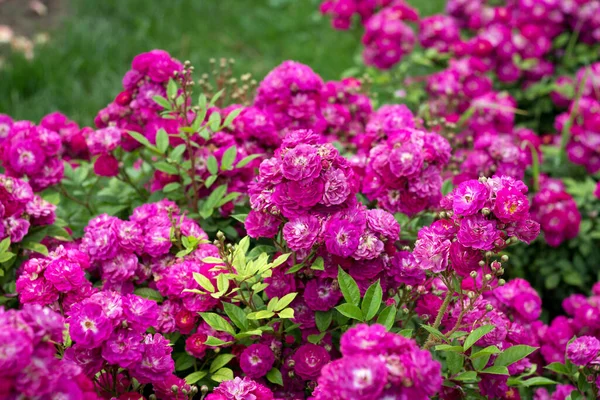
(70, 55)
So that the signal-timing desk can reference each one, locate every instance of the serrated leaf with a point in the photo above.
(274, 376)
(286, 313)
(496, 370)
(204, 282)
(150, 294)
(171, 88)
(215, 342)
(222, 375)
(481, 362)
(318, 264)
(213, 199)
(37, 247)
(455, 362)
(372, 301)
(263, 314)
(212, 260)
(350, 311)
(435, 332)
(349, 288)
(227, 198)
(407, 333)
(177, 153)
(171, 187)
(476, 335)
(513, 354)
(285, 301)
(537, 381)
(4, 245)
(315, 339)
(483, 352)
(212, 165)
(228, 158)
(216, 97)
(240, 217)
(162, 140)
(214, 121)
(210, 180)
(246, 160)
(387, 317)
(323, 319)
(559, 368)
(195, 377)
(231, 116)
(166, 167)
(466, 376)
(236, 314)
(449, 347)
(183, 362)
(161, 101)
(217, 322)
(220, 361)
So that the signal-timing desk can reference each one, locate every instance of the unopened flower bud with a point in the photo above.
(504, 258)
(471, 295)
(488, 277)
(473, 274)
(485, 211)
(482, 263)
(501, 282)
(409, 288)
(174, 388)
(489, 254)
(489, 307)
(495, 265)
(204, 389)
(405, 310)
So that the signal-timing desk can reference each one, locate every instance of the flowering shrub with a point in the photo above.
(295, 239)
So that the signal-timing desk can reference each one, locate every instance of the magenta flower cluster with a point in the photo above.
(30, 151)
(556, 212)
(341, 12)
(485, 215)
(377, 364)
(404, 170)
(28, 366)
(21, 209)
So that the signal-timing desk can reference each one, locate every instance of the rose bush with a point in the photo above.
(296, 239)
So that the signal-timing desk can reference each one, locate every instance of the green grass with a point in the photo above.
(80, 70)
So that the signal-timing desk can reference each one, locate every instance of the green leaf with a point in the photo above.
(204, 282)
(483, 352)
(231, 116)
(212, 200)
(435, 332)
(285, 301)
(210, 180)
(496, 370)
(227, 198)
(348, 287)
(183, 362)
(4, 245)
(263, 314)
(220, 361)
(407, 333)
(323, 319)
(387, 317)
(212, 260)
(449, 347)
(513, 354)
(214, 121)
(228, 158)
(4, 257)
(559, 368)
(195, 377)
(224, 374)
(177, 153)
(202, 101)
(246, 160)
(350, 311)
(295, 268)
(372, 301)
(37, 247)
(318, 264)
(466, 376)
(537, 381)
(217, 322)
(274, 376)
(212, 165)
(458, 334)
(476, 335)
(147, 293)
(455, 362)
(240, 217)
(286, 313)
(161, 101)
(171, 88)
(162, 140)
(171, 187)
(236, 314)
(216, 97)
(166, 168)
(481, 362)
(215, 342)
(315, 339)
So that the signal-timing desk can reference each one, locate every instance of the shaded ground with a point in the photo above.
(79, 70)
